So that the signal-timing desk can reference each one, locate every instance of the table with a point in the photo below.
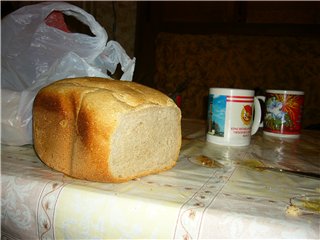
(213, 192)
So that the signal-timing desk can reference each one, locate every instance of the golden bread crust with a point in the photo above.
(74, 120)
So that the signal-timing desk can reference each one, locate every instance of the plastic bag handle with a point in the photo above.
(97, 30)
(83, 17)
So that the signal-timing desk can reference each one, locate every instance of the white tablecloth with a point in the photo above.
(232, 199)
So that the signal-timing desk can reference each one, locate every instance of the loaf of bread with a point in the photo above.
(105, 130)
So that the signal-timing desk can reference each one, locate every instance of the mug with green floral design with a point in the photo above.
(283, 113)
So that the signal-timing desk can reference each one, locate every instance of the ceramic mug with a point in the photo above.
(233, 116)
(283, 113)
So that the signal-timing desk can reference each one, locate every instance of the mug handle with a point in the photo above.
(263, 99)
(257, 114)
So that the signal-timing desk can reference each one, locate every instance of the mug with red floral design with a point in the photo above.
(283, 113)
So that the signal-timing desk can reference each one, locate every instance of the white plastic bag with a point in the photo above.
(34, 54)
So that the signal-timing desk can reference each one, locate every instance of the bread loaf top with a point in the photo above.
(125, 95)
(80, 123)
